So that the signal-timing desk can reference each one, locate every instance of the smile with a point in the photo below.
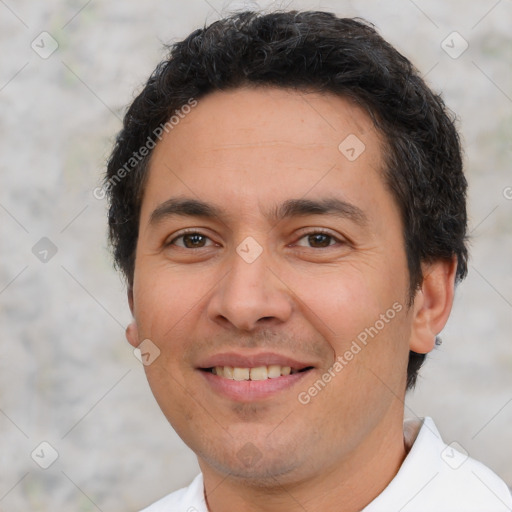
(249, 376)
(273, 371)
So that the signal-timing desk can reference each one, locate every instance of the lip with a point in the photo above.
(238, 360)
(251, 390)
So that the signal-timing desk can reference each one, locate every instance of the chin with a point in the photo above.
(266, 473)
(254, 463)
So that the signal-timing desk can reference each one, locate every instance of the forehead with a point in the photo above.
(239, 143)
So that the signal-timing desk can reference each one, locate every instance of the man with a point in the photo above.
(287, 204)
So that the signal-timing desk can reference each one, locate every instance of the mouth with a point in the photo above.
(256, 373)
(248, 378)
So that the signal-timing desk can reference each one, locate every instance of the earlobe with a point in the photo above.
(132, 334)
(432, 304)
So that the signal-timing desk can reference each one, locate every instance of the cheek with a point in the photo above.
(169, 310)
(166, 304)
(163, 298)
(347, 299)
(361, 312)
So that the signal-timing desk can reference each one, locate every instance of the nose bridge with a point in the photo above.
(249, 267)
(250, 291)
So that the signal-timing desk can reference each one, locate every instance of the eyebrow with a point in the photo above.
(188, 207)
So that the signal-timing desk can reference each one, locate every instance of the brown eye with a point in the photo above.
(194, 240)
(190, 241)
(318, 240)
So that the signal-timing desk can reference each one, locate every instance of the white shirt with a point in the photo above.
(434, 477)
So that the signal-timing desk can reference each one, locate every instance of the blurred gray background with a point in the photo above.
(67, 375)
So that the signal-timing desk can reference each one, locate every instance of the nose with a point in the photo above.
(250, 295)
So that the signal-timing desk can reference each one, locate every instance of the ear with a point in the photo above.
(432, 304)
(132, 331)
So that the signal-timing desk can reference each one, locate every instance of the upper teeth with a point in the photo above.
(258, 373)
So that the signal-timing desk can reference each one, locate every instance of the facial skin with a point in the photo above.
(246, 152)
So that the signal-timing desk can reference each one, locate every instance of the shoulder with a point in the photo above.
(437, 477)
(187, 499)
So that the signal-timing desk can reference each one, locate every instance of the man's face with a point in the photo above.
(272, 282)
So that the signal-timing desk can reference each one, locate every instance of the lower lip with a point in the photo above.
(251, 390)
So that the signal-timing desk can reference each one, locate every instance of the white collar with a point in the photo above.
(435, 477)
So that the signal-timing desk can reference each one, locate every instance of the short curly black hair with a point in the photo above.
(308, 51)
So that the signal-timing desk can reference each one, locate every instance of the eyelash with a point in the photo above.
(318, 231)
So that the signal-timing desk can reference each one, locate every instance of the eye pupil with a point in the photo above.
(319, 240)
(196, 240)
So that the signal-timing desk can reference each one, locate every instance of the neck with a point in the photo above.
(348, 486)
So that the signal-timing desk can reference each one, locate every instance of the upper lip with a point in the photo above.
(239, 360)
